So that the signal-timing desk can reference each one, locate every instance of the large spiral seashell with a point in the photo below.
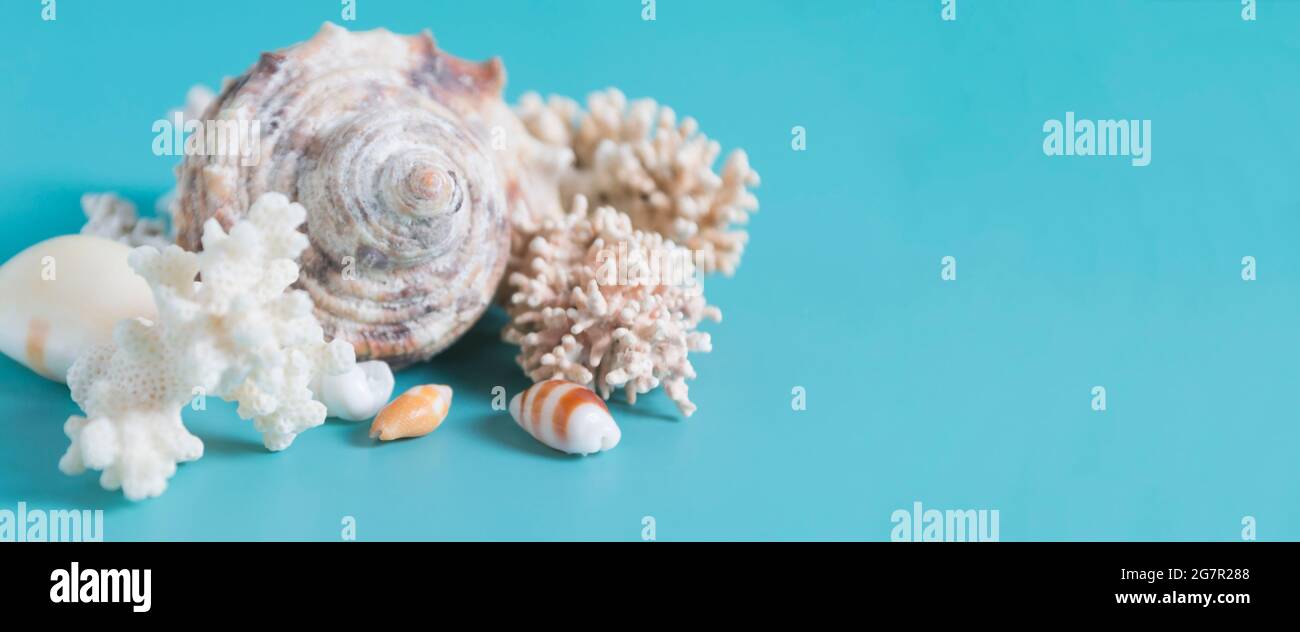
(386, 141)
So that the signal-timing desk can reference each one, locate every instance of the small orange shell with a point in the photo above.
(415, 413)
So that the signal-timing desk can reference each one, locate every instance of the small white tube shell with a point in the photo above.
(358, 394)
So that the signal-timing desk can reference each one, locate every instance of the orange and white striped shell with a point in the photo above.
(417, 412)
(566, 416)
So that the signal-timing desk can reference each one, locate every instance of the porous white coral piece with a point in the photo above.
(608, 306)
(113, 217)
(639, 158)
(138, 446)
(239, 333)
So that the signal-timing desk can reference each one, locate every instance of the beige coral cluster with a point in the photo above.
(656, 198)
(604, 304)
(638, 158)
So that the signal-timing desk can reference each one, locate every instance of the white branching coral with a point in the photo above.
(606, 305)
(239, 334)
(637, 157)
(111, 216)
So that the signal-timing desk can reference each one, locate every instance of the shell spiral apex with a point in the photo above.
(385, 140)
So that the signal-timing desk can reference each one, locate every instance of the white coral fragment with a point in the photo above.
(113, 217)
(228, 326)
(639, 158)
(608, 306)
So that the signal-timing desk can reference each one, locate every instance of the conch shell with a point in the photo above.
(388, 143)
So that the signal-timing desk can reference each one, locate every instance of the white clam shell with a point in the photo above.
(63, 296)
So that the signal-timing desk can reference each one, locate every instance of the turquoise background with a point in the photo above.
(924, 140)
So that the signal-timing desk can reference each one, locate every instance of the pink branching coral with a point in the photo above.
(656, 197)
(604, 304)
(638, 158)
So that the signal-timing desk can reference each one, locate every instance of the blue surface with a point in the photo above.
(924, 140)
